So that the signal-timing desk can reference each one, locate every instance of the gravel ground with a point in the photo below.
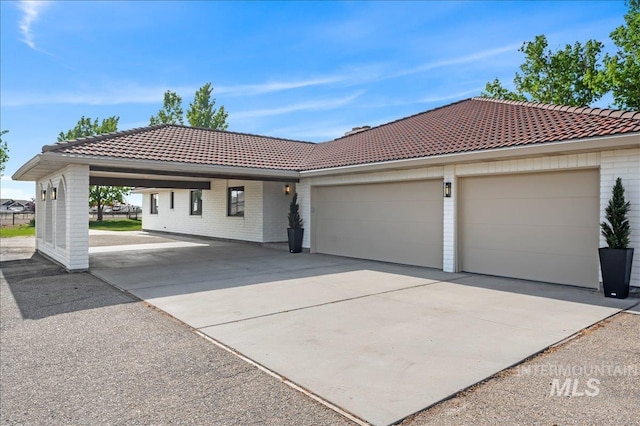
(74, 350)
(608, 352)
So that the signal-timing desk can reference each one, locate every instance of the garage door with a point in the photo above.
(540, 227)
(392, 222)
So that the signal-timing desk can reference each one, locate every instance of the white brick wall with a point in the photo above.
(214, 221)
(450, 222)
(626, 165)
(71, 249)
(303, 188)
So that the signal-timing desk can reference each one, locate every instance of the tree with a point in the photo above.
(623, 68)
(570, 76)
(4, 152)
(86, 127)
(98, 195)
(617, 231)
(496, 90)
(202, 111)
(171, 112)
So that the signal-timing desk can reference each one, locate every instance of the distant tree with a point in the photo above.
(570, 76)
(496, 90)
(4, 152)
(98, 195)
(202, 111)
(171, 112)
(86, 127)
(623, 68)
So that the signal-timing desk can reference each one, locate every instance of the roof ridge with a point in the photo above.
(398, 119)
(101, 136)
(602, 112)
(239, 133)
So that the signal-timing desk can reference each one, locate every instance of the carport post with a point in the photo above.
(77, 181)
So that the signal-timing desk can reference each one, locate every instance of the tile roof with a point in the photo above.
(470, 125)
(174, 143)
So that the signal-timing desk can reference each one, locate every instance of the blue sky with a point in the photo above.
(299, 70)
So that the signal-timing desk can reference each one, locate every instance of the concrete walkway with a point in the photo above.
(379, 341)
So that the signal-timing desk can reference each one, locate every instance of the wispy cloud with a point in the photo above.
(269, 87)
(324, 104)
(109, 94)
(31, 10)
(474, 57)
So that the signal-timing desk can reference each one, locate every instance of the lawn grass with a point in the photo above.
(17, 231)
(107, 225)
(116, 225)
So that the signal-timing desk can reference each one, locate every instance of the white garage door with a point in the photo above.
(540, 226)
(392, 222)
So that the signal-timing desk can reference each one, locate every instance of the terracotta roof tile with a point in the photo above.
(173, 143)
(469, 125)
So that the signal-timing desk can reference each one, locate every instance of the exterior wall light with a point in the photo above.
(54, 193)
(43, 195)
(447, 190)
(287, 189)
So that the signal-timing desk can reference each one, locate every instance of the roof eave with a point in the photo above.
(33, 170)
(629, 140)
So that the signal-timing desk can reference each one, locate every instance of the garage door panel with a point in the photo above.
(393, 222)
(520, 211)
(540, 226)
(545, 267)
(531, 239)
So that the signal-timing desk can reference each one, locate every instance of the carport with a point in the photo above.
(375, 341)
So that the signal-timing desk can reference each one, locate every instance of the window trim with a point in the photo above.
(198, 210)
(230, 190)
(153, 201)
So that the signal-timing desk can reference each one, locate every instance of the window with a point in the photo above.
(196, 202)
(154, 203)
(235, 201)
(171, 200)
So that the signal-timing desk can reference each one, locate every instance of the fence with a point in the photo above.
(16, 218)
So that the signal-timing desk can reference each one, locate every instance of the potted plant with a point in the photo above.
(615, 260)
(295, 231)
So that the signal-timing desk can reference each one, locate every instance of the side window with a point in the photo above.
(235, 201)
(154, 203)
(171, 198)
(196, 202)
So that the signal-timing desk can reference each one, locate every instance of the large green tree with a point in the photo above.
(202, 111)
(171, 112)
(4, 152)
(570, 76)
(98, 195)
(623, 68)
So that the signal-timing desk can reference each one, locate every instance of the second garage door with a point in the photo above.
(391, 222)
(540, 226)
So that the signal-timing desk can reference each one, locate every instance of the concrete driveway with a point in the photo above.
(379, 341)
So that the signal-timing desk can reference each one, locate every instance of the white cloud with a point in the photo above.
(474, 57)
(304, 106)
(31, 11)
(258, 89)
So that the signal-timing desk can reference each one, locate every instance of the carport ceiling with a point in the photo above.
(100, 175)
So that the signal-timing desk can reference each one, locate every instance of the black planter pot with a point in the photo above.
(295, 239)
(616, 271)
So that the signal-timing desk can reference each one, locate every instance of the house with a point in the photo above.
(10, 205)
(505, 188)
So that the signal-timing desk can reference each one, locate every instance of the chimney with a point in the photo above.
(357, 130)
